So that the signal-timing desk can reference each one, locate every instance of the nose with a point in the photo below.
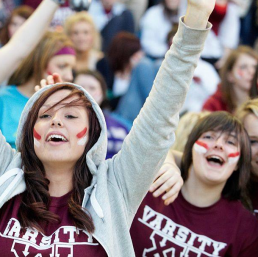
(68, 76)
(218, 144)
(56, 121)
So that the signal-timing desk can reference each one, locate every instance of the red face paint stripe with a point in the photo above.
(36, 135)
(234, 154)
(201, 144)
(82, 133)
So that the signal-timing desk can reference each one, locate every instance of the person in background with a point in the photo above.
(13, 53)
(117, 129)
(111, 17)
(18, 16)
(216, 169)
(224, 35)
(238, 83)
(155, 26)
(122, 57)
(248, 114)
(81, 29)
(54, 53)
(138, 8)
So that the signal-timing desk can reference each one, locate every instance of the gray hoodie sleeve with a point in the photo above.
(152, 134)
(6, 154)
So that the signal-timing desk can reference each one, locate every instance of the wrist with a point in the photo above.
(196, 18)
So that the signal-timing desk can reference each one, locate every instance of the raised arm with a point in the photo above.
(26, 38)
(152, 134)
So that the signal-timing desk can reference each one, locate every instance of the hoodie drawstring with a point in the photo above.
(18, 173)
(95, 203)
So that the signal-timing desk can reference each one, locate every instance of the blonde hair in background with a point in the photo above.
(184, 128)
(83, 17)
(36, 63)
(249, 107)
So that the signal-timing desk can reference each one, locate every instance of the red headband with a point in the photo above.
(66, 50)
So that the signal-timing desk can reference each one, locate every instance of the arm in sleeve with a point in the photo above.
(152, 135)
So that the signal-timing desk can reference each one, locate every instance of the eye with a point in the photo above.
(252, 141)
(207, 136)
(71, 116)
(231, 142)
(44, 116)
(62, 66)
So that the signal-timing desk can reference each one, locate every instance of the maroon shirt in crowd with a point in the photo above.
(58, 239)
(215, 102)
(181, 229)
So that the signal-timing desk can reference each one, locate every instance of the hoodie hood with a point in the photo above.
(98, 152)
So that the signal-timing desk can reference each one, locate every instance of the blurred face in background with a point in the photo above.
(172, 4)
(62, 64)
(15, 24)
(251, 126)
(92, 85)
(243, 71)
(82, 36)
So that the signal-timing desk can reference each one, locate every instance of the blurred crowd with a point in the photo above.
(118, 48)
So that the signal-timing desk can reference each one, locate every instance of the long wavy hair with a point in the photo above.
(36, 199)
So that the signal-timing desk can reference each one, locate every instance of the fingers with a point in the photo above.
(57, 78)
(169, 186)
(51, 79)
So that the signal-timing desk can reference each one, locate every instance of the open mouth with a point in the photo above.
(56, 138)
(215, 160)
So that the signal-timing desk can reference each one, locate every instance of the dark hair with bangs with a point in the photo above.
(34, 211)
(235, 187)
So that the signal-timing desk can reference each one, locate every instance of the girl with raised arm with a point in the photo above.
(58, 195)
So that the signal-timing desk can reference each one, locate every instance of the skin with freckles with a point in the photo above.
(67, 122)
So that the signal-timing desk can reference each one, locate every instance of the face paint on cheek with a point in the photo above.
(200, 147)
(37, 138)
(239, 74)
(233, 157)
(82, 137)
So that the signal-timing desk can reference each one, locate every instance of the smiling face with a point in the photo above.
(251, 126)
(82, 36)
(243, 71)
(215, 157)
(63, 65)
(61, 133)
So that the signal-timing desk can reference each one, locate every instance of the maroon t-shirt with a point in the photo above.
(58, 239)
(181, 229)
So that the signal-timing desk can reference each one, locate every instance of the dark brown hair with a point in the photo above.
(226, 86)
(36, 199)
(224, 122)
(121, 49)
(23, 11)
(169, 14)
